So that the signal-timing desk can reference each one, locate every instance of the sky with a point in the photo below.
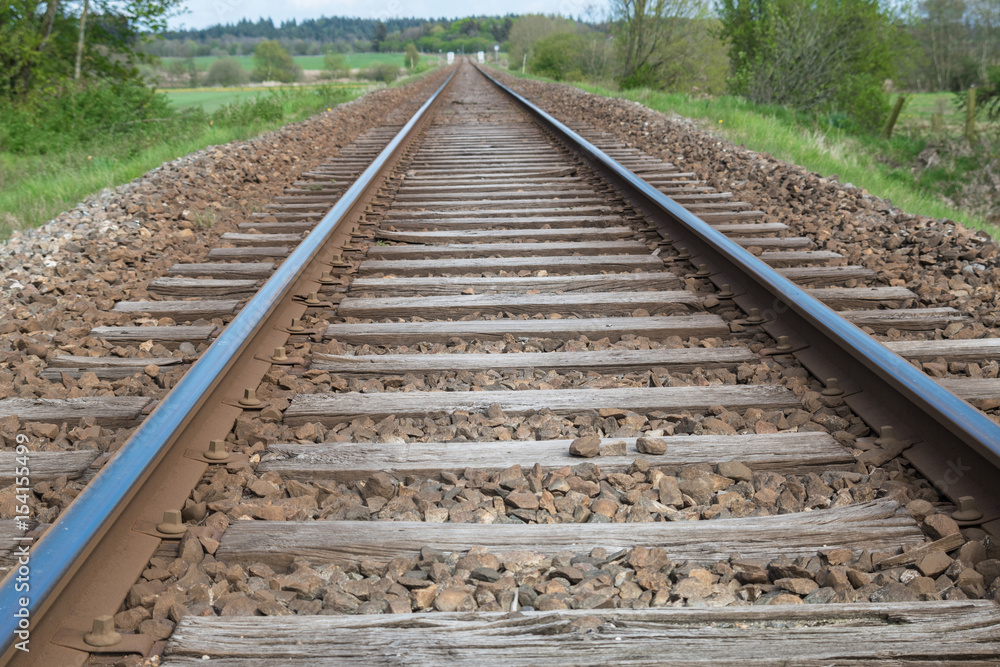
(203, 13)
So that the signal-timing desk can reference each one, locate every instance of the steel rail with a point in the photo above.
(956, 446)
(58, 553)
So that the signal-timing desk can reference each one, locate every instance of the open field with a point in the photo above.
(354, 60)
(211, 99)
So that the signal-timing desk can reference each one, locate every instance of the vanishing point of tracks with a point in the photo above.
(506, 401)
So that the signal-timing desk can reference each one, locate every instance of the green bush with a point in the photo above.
(815, 56)
(412, 56)
(79, 116)
(226, 72)
(335, 65)
(644, 76)
(384, 72)
(257, 109)
(987, 96)
(271, 62)
(558, 56)
(864, 100)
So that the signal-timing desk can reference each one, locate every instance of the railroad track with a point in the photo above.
(499, 398)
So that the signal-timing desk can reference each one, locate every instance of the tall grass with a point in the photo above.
(825, 145)
(877, 165)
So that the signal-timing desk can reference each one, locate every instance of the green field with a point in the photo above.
(211, 99)
(354, 60)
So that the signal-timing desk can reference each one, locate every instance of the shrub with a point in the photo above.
(226, 72)
(558, 55)
(412, 56)
(271, 62)
(825, 55)
(78, 116)
(335, 65)
(247, 112)
(384, 72)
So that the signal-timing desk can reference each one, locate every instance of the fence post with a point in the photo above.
(937, 122)
(894, 116)
(970, 116)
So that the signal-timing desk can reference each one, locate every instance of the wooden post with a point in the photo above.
(937, 122)
(894, 116)
(970, 116)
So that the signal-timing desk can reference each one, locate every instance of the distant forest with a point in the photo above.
(317, 36)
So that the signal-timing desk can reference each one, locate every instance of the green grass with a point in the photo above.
(920, 107)
(354, 60)
(882, 167)
(211, 99)
(36, 188)
(870, 163)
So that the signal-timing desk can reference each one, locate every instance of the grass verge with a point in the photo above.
(885, 168)
(36, 188)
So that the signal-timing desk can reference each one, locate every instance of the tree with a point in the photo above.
(945, 40)
(335, 65)
(500, 28)
(412, 56)
(381, 32)
(81, 40)
(226, 72)
(985, 18)
(559, 56)
(959, 41)
(271, 62)
(655, 40)
(530, 28)
(597, 57)
(812, 55)
(39, 48)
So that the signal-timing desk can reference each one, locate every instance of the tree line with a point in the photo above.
(818, 56)
(341, 34)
